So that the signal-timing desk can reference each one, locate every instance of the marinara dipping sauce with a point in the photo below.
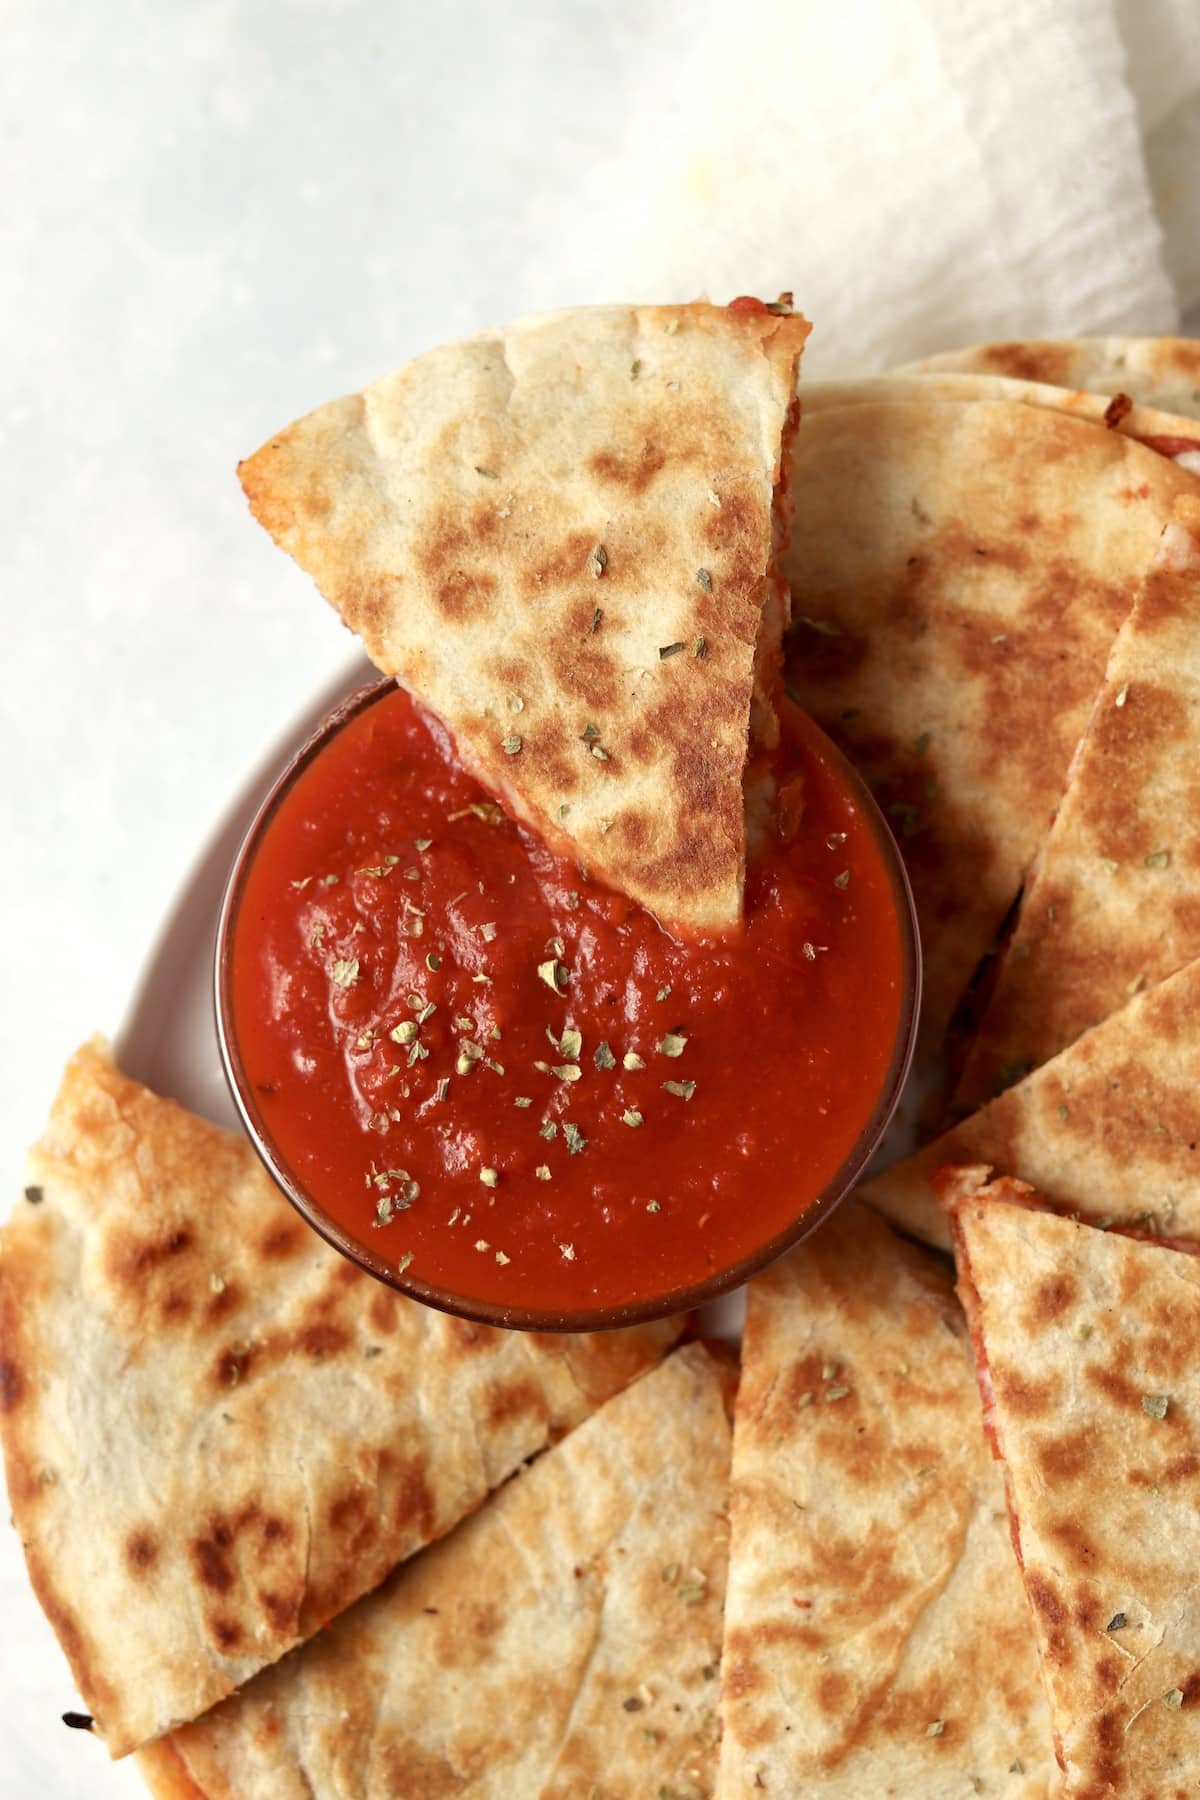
(506, 1088)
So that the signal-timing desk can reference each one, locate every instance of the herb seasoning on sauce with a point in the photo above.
(509, 1082)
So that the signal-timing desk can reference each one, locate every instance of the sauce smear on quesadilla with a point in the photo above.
(508, 1081)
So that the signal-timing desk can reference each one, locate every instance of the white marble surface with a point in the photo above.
(216, 214)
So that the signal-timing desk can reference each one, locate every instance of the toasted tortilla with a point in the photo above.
(1108, 1128)
(1113, 902)
(1086, 1344)
(562, 1642)
(876, 1638)
(959, 571)
(218, 1432)
(1169, 434)
(1159, 372)
(559, 538)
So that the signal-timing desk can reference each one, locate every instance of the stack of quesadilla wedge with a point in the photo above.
(875, 1636)
(1160, 372)
(959, 570)
(230, 1453)
(1085, 1344)
(218, 1433)
(563, 1642)
(1114, 901)
(1166, 433)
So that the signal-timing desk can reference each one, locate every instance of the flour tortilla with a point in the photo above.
(1087, 1357)
(564, 1641)
(1114, 900)
(1159, 372)
(1109, 1129)
(218, 1433)
(559, 538)
(1169, 434)
(959, 571)
(876, 1637)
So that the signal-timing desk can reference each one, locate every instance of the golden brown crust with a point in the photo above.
(1087, 1347)
(564, 1640)
(966, 567)
(1113, 903)
(876, 1641)
(1106, 1129)
(562, 527)
(215, 1434)
(165, 1772)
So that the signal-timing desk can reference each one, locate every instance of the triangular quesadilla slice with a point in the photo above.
(561, 538)
(1162, 372)
(959, 572)
(1087, 1367)
(218, 1432)
(1107, 1129)
(876, 1640)
(1113, 903)
(561, 1643)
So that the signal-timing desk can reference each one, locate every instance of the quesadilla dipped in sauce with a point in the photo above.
(1160, 372)
(959, 572)
(876, 1637)
(218, 1433)
(1113, 902)
(1107, 1129)
(563, 1642)
(496, 1051)
(1085, 1343)
(560, 539)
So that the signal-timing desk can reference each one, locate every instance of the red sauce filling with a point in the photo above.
(1171, 446)
(640, 1114)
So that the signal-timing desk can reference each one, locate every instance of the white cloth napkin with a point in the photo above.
(922, 173)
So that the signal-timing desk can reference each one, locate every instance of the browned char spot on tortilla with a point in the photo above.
(12, 1385)
(227, 1633)
(1049, 363)
(1053, 1295)
(1067, 1456)
(141, 1550)
(1051, 1609)
(211, 1556)
(562, 567)
(509, 1400)
(1024, 1397)
(281, 1241)
(634, 472)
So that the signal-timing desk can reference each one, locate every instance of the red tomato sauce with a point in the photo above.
(1172, 446)
(509, 1082)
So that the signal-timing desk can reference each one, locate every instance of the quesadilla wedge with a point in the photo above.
(560, 539)
(959, 572)
(876, 1641)
(1159, 372)
(563, 1642)
(218, 1432)
(1085, 1342)
(1113, 903)
(1108, 1128)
